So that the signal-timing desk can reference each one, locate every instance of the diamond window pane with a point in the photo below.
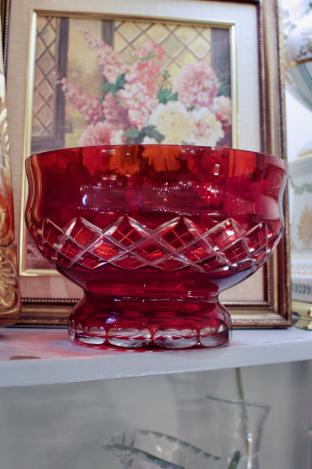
(186, 34)
(158, 32)
(45, 77)
(182, 44)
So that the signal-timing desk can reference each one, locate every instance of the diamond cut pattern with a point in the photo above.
(171, 246)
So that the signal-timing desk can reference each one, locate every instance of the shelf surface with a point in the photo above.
(45, 356)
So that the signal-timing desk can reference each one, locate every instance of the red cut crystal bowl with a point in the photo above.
(153, 234)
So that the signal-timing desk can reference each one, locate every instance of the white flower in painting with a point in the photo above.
(173, 121)
(207, 129)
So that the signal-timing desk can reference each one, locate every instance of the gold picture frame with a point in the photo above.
(259, 117)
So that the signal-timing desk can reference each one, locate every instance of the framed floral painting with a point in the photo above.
(143, 82)
(166, 72)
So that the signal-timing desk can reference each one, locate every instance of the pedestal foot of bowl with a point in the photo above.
(149, 323)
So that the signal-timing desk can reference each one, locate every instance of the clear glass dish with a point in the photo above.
(146, 449)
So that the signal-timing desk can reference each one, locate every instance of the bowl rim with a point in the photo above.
(281, 161)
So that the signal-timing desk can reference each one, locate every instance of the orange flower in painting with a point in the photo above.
(161, 158)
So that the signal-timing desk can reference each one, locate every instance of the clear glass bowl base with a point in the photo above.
(161, 324)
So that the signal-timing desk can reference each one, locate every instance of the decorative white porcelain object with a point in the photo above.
(300, 183)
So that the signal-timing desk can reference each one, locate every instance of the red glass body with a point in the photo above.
(153, 234)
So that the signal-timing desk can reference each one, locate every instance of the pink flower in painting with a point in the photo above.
(89, 107)
(100, 134)
(114, 113)
(149, 51)
(221, 106)
(139, 95)
(107, 59)
(139, 102)
(138, 113)
(140, 98)
(196, 85)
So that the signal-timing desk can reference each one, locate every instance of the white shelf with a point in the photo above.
(45, 356)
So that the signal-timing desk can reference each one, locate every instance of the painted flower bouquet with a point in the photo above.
(141, 103)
